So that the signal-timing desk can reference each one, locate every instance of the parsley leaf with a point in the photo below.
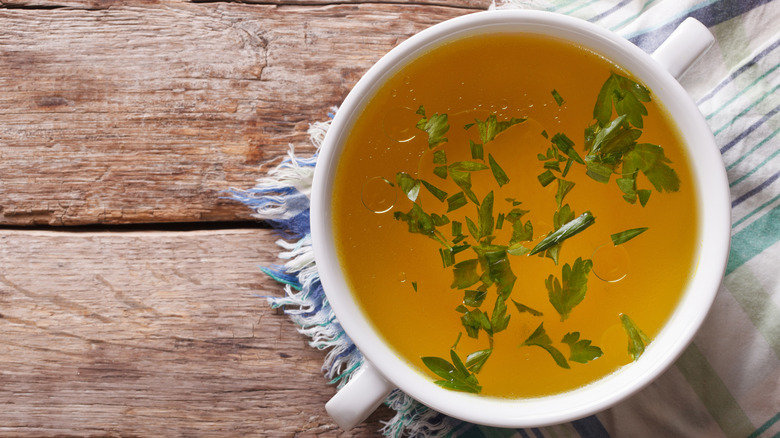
(456, 201)
(546, 177)
(491, 127)
(409, 185)
(523, 308)
(637, 340)
(625, 236)
(473, 320)
(498, 172)
(441, 195)
(566, 293)
(454, 375)
(477, 359)
(567, 230)
(499, 320)
(436, 126)
(581, 350)
(540, 338)
(558, 99)
(477, 151)
(465, 274)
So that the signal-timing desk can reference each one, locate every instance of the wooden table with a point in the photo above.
(130, 294)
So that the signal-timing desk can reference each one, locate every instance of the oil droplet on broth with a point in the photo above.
(610, 262)
(399, 124)
(378, 195)
(402, 277)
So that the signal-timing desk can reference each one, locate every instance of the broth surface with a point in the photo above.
(398, 277)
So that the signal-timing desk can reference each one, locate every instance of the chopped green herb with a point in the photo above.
(566, 231)
(540, 338)
(477, 151)
(454, 375)
(499, 221)
(409, 185)
(436, 126)
(581, 350)
(499, 320)
(457, 228)
(523, 308)
(486, 217)
(625, 236)
(498, 172)
(465, 274)
(473, 321)
(521, 232)
(474, 298)
(476, 360)
(568, 292)
(546, 178)
(637, 340)
(515, 214)
(441, 195)
(456, 201)
(491, 127)
(566, 145)
(564, 187)
(557, 97)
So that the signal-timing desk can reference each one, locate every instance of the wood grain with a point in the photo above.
(153, 334)
(133, 112)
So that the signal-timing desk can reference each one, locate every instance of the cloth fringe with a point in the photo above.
(281, 198)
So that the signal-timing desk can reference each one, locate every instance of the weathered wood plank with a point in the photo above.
(145, 112)
(152, 334)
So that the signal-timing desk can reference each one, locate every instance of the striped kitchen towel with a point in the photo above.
(727, 383)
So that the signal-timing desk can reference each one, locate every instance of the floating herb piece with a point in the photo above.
(626, 96)
(456, 201)
(486, 217)
(581, 350)
(454, 375)
(637, 340)
(499, 320)
(568, 292)
(566, 231)
(557, 97)
(651, 161)
(566, 145)
(477, 151)
(625, 236)
(523, 308)
(564, 187)
(498, 172)
(465, 274)
(409, 185)
(460, 172)
(436, 126)
(540, 338)
(473, 321)
(476, 360)
(499, 221)
(441, 195)
(474, 298)
(491, 127)
(521, 232)
(545, 178)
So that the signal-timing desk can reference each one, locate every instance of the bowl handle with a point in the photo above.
(356, 400)
(686, 44)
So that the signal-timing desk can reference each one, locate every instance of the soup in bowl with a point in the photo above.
(519, 218)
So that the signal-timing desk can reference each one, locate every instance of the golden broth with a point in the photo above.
(511, 76)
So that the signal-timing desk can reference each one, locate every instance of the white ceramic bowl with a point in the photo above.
(385, 370)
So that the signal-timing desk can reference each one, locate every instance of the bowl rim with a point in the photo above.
(678, 332)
